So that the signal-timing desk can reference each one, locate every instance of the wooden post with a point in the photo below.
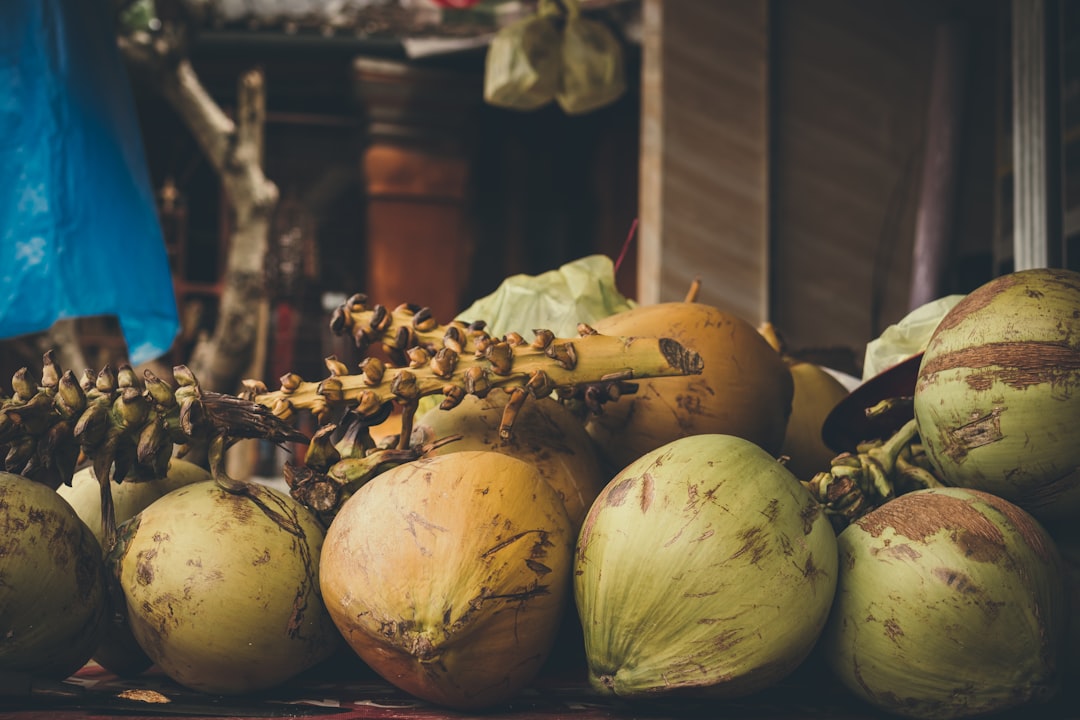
(935, 218)
(416, 172)
(1037, 184)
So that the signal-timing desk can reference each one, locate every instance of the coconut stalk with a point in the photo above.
(427, 358)
(130, 426)
(452, 361)
(878, 471)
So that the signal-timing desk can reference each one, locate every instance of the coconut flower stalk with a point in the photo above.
(129, 426)
(36, 423)
(460, 359)
(453, 361)
(342, 457)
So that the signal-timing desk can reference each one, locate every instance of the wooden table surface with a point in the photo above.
(345, 689)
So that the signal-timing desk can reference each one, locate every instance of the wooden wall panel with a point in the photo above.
(704, 180)
(781, 158)
(849, 113)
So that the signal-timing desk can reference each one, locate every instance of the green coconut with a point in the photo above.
(52, 589)
(222, 587)
(119, 652)
(703, 568)
(997, 399)
(950, 603)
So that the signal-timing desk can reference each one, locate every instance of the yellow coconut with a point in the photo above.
(816, 394)
(119, 652)
(129, 498)
(450, 575)
(745, 388)
(222, 587)
(546, 435)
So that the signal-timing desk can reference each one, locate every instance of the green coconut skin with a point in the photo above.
(997, 399)
(52, 589)
(222, 588)
(703, 568)
(950, 603)
(129, 497)
(119, 653)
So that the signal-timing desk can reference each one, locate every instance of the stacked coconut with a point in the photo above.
(677, 523)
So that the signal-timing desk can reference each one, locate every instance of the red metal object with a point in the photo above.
(456, 4)
(847, 425)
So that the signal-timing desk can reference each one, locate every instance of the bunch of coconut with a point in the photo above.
(667, 521)
(952, 598)
(448, 574)
(955, 599)
(451, 574)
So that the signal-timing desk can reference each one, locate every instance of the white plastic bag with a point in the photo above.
(907, 337)
(579, 291)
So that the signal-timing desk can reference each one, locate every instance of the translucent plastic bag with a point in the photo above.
(522, 67)
(79, 232)
(580, 291)
(907, 337)
(593, 73)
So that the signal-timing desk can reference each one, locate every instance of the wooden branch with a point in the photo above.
(252, 120)
(235, 150)
(163, 59)
(222, 361)
(212, 128)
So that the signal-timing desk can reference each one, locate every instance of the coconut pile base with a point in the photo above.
(343, 689)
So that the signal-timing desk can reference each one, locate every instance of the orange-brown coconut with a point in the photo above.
(450, 575)
(745, 388)
(545, 434)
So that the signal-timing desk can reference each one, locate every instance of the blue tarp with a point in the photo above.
(79, 233)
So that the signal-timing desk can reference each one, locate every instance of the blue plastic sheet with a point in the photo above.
(79, 233)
